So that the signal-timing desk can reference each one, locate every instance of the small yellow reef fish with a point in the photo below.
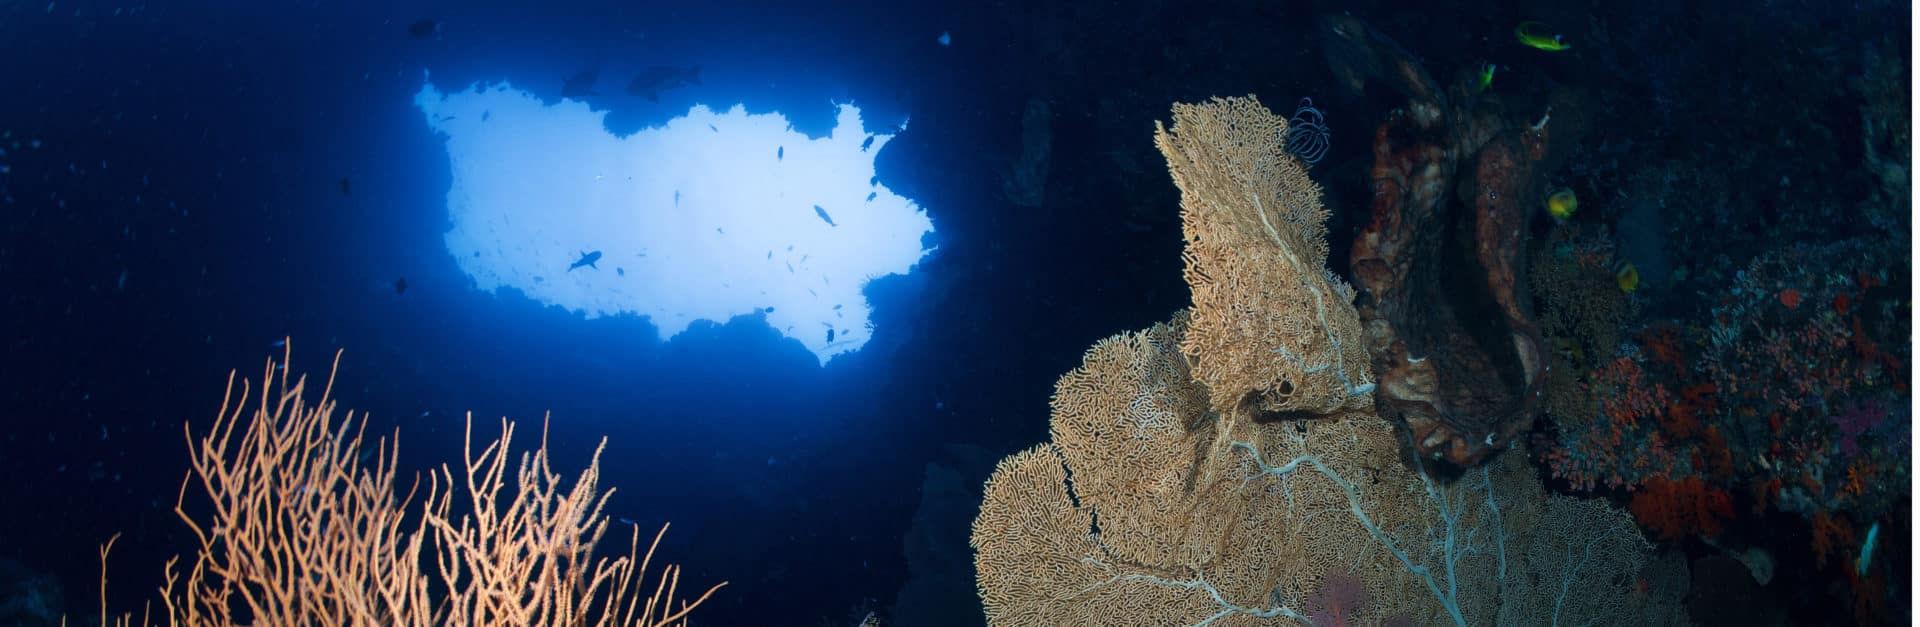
(1534, 35)
(1562, 204)
(1628, 277)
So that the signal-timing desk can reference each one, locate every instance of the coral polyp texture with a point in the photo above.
(1272, 329)
(1156, 503)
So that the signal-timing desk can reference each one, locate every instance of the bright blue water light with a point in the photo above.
(710, 216)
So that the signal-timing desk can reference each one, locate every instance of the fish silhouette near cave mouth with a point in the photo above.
(587, 259)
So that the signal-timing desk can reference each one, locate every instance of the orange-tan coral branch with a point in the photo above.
(302, 532)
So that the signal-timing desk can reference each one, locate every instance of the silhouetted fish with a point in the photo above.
(346, 185)
(586, 259)
(400, 285)
(823, 215)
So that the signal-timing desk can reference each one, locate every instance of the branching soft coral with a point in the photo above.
(302, 532)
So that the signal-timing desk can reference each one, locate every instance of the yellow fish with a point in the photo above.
(1562, 204)
(1628, 277)
(1534, 35)
(1484, 77)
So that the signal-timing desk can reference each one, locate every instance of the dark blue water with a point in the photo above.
(203, 218)
(183, 209)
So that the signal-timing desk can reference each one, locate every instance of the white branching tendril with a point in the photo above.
(1307, 134)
